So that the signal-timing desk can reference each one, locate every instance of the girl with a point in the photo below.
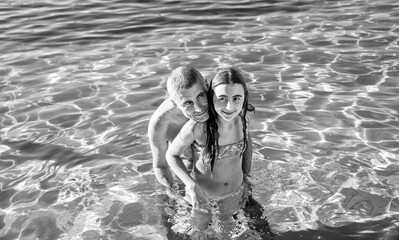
(217, 178)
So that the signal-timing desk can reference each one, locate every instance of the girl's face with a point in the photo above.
(228, 100)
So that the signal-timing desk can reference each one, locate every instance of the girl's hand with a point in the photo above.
(199, 199)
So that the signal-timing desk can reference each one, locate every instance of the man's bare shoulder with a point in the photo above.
(166, 120)
(163, 111)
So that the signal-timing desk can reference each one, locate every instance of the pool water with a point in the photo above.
(80, 80)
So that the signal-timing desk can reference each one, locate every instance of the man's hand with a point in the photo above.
(164, 176)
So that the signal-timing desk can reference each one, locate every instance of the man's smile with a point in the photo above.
(201, 113)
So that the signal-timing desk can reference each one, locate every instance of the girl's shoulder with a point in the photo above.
(239, 127)
(239, 123)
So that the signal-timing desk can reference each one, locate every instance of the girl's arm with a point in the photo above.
(246, 168)
(182, 141)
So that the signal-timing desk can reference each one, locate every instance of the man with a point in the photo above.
(187, 100)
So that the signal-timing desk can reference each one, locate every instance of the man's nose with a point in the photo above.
(198, 106)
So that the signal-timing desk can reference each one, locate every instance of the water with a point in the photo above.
(79, 81)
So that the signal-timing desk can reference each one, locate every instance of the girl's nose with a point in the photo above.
(229, 105)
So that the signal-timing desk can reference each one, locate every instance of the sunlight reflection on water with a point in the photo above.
(79, 82)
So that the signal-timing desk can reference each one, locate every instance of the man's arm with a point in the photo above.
(159, 144)
(247, 158)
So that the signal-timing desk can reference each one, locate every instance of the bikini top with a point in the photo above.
(225, 151)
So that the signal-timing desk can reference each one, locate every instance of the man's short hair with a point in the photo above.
(183, 77)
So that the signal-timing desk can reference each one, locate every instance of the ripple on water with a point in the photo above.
(48, 198)
(6, 196)
(156, 52)
(66, 120)
(39, 225)
(350, 67)
(367, 204)
(378, 42)
(24, 196)
(322, 75)
(314, 56)
(5, 164)
(368, 79)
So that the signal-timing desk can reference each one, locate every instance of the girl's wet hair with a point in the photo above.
(224, 76)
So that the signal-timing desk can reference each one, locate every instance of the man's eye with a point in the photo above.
(201, 95)
(187, 104)
(236, 99)
(222, 99)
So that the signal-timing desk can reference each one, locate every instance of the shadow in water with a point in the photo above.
(177, 220)
(364, 231)
(22, 151)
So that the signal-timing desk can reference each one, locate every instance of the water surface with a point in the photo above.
(79, 81)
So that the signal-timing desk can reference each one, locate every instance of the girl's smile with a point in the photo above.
(228, 100)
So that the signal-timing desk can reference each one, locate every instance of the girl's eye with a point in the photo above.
(222, 99)
(236, 99)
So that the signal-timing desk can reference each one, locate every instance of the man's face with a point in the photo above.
(193, 102)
